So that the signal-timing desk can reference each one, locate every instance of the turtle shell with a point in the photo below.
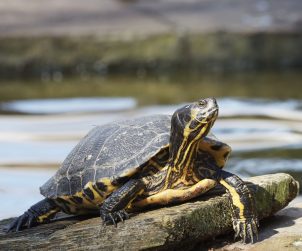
(113, 150)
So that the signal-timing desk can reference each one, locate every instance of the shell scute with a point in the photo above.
(88, 175)
(75, 183)
(63, 186)
(111, 150)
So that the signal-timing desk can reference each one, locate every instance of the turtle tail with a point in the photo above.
(41, 212)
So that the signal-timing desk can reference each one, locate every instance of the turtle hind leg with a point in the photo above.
(37, 214)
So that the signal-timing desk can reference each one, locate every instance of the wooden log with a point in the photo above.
(174, 227)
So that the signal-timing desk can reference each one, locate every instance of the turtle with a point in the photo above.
(132, 165)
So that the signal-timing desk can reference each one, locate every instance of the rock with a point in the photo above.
(279, 232)
(174, 227)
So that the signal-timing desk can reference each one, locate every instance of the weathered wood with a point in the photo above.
(161, 229)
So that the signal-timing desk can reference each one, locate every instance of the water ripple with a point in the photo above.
(71, 105)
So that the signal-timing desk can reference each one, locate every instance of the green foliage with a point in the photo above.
(36, 57)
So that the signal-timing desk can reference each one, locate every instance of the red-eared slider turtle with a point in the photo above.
(155, 160)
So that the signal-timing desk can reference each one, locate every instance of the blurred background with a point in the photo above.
(68, 65)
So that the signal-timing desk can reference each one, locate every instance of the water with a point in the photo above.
(265, 134)
(71, 105)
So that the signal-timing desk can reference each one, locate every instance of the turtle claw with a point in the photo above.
(11, 226)
(112, 218)
(246, 229)
(119, 214)
(28, 219)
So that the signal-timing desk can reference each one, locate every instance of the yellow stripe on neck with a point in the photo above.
(187, 131)
(191, 143)
(235, 198)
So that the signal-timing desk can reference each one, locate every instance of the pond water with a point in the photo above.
(265, 134)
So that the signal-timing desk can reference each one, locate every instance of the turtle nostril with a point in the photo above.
(213, 100)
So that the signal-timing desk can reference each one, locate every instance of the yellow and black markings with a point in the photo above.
(235, 199)
(176, 195)
(45, 217)
(220, 151)
(90, 198)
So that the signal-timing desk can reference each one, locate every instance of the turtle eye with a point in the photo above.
(202, 103)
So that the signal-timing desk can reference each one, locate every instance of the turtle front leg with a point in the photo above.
(113, 208)
(172, 196)
(245, 221)
(39, 213)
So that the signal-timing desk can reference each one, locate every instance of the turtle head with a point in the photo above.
(195, 120)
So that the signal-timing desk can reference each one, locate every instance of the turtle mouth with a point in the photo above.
(201, 121)
(213, 113)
